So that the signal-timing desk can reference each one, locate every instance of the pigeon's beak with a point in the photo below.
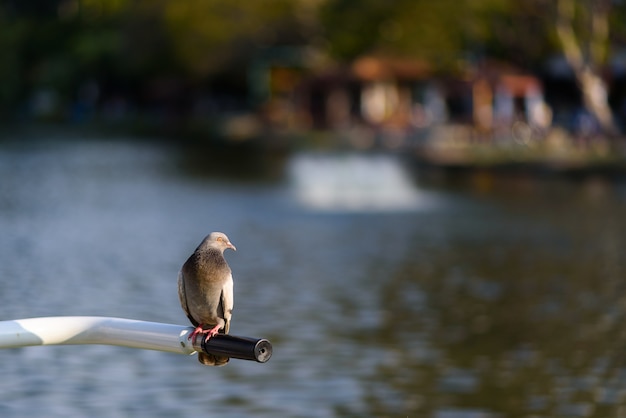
(231, 246)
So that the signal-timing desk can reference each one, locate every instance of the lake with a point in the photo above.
(383, 295)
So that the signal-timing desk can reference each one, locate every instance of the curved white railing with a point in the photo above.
(67, 330)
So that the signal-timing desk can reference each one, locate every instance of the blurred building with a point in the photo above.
(407, 95)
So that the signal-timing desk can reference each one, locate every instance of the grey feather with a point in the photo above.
(205, 289)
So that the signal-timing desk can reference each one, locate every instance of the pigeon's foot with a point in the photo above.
(195, 332)
(211, 332)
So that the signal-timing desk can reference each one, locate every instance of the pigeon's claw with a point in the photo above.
(196, 331)
(211, 332)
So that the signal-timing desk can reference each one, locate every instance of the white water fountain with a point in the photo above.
(354, 182)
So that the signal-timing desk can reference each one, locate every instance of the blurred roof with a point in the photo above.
(370, 68)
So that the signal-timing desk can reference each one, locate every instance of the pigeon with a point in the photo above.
(205, 290)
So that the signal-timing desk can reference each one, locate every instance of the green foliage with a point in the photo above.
(59, 44)
(439, 31)
(350, 32)
(11, 37)
(207, 34)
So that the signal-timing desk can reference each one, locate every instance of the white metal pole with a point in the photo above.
(95, 330)
(66, 330)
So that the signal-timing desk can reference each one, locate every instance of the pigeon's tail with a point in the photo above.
(212, 360)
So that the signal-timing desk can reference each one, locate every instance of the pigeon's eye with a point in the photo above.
(220, 239)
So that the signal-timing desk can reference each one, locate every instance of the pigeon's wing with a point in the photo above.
(227, 302)
(182, 296)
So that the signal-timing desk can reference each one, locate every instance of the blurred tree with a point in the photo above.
(19, 21)
(209, 34)
(437, 31)
(583, 30)
(515, 31)
(11, 36)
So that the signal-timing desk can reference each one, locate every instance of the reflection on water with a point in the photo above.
(467, 306)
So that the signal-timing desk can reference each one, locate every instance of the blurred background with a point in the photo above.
(427, 199)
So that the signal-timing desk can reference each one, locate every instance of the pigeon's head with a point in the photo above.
(218, 240)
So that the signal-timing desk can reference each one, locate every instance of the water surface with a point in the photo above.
(381, 297)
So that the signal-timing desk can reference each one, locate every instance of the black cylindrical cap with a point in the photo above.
(244, 348)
